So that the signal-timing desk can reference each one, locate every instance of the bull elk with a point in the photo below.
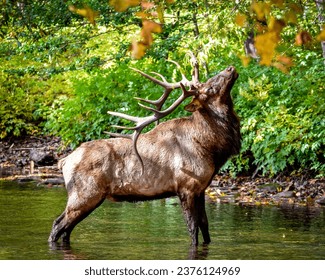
(178, 157)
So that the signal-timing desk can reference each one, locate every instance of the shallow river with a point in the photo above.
(154, 230)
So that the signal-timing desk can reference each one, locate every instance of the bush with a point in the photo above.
(17, 105)
(282, 118)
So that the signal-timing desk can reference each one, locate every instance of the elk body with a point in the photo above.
(177, 158)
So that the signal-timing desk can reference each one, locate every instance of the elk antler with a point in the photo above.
(142, 122)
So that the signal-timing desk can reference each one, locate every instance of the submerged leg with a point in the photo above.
(196, 218)
(203, 219)
(76, 210)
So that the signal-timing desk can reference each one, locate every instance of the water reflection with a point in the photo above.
(199, 253)
(155, 230)
(300, 217)
(67, 252)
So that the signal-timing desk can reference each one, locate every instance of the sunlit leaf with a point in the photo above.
(138, 49)
(276, 25)
(147, 5)
(261, 9)
(278, 3)
(296, 8)
(291, 17)
(123, 5)
(86, 12)
(240, 20)
(283, 63)
(265, 45)
(321, 36)
(303, 38)
(245, 60)
(142, 15)
(149, 27)
(160, 13)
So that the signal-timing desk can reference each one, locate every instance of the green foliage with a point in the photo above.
(282, 119)
(16, 107)
(60, 75)
(24, 101)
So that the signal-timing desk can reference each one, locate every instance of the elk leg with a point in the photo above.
(55, 232)
(203, 219)
(191, 217)
(74, 213)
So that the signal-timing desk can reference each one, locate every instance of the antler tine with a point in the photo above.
(184, 79)
(161, 76)
(159, 102)
(124, 116)
(164, 84)
(195, 65)
(118, 135)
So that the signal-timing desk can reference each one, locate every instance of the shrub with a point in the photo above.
(282, 119)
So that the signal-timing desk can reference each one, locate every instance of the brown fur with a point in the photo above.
(180, 157)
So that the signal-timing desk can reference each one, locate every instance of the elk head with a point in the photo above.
(214, 95)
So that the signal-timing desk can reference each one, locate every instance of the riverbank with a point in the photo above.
(35, 159)
(32, 159)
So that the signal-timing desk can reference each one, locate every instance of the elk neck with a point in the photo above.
(218, 133)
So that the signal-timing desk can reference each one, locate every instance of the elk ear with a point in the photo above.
(193, 106)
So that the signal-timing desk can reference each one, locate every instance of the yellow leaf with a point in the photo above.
(321, 36)
(285, 60)
(153, 26)
(86, 12)
(123, 5)
(142, 15)
(278, 3)
(138, 49)
(296, 8)
(283, 63)
(147, 5)
(291, 16)
(276, 25)
(303, 38)
(265, 45)
(160, 12)
(280, 66)
(245, 60)
(261, 9)
(240, 20)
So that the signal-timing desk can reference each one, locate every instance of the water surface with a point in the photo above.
(154, 230)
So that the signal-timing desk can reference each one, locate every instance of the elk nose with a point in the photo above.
(230, 68)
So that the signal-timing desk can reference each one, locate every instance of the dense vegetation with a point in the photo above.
(61, 72)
